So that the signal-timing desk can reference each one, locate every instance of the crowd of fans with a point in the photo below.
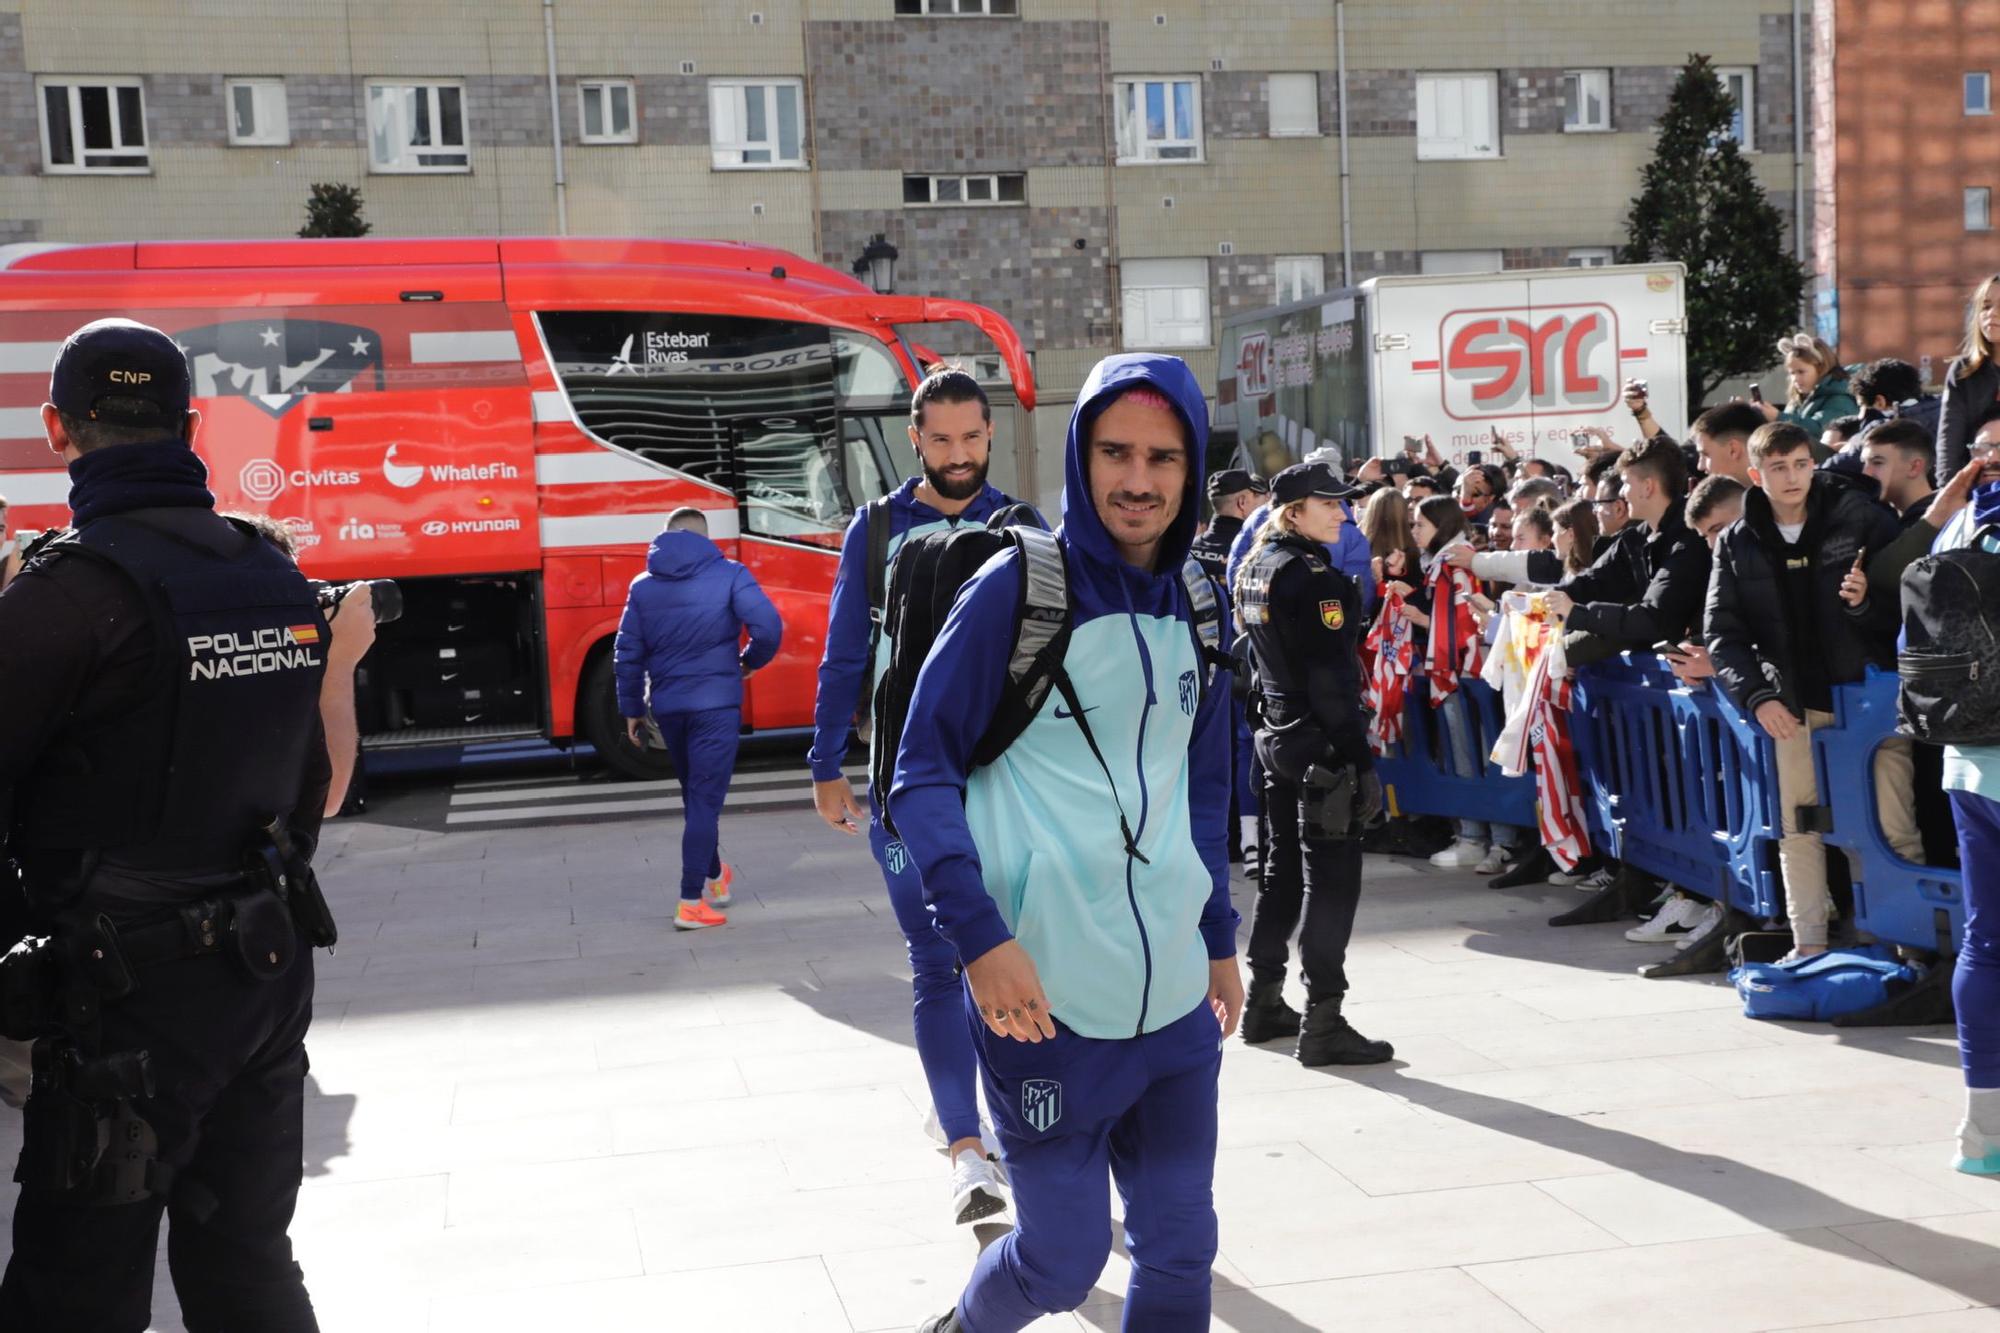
(1762, 555)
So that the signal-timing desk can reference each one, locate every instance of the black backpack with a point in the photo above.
(1950, 662)
(924, 581)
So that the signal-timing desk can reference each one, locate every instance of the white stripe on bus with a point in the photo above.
(28, 358)
(21, 423)
(598, 465)
(464, 345)
(550, 405)
(625, 529)
(40, 488)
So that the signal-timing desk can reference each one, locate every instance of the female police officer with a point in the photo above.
(1302, 618)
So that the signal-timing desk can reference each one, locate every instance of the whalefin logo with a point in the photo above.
(400, 475)
(276, 362)
(1041, 1103)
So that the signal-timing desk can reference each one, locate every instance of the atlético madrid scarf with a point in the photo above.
(1456, 648)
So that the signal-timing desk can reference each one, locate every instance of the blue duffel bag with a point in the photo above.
(1844, 981)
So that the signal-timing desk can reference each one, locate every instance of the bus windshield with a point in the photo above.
(798, 421)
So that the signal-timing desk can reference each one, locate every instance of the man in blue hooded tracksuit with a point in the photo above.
(951, 428)
(676, 655)
(1101, 967)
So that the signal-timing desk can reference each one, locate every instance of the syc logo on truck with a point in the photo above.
(1501, 363)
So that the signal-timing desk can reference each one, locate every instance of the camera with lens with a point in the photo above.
(385, 599)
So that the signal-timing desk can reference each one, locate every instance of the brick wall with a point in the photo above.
(1774, 82)
(325, 110)
(1531, 101)
(1027, 263)
(508, 110)
(185, 109)
(20, 143)
(1639, 95)
(673, 110)
(1236, 105)
(1381, 102)
(997, 96)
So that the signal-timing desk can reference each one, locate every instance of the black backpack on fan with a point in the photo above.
(924, 580)
(1950, 662)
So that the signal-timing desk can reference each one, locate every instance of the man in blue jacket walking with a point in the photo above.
(1100, 965)
(676, 656)
(951, 428)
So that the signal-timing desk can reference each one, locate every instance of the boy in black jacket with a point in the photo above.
(1789, 618)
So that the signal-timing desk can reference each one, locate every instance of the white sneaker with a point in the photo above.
(1702, 925)
(1496, 860)
(1460, 855)
(976, 1190)
(1583, 873)
(1676, 917)
(1598, 882)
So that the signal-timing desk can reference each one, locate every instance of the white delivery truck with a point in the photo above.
(1532, 355)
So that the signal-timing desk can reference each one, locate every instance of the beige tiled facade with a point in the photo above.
(886, 95)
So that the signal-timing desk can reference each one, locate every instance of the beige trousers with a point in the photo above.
(1802, 856)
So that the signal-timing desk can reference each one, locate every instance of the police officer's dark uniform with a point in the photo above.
(1303, 620)
(1211, 549)
(162, 773)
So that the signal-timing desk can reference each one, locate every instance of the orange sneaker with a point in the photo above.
(697, 916)
(718, 889)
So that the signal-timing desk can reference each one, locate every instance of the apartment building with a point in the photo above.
(1904, 223)
(1107, 174)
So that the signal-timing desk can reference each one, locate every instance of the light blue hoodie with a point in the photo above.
(1029, 846)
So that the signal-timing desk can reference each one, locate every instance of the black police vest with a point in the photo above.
(218, 748)
(1277, 677)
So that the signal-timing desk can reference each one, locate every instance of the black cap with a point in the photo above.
(120, 358)
(1301, 480)
(1233, 479)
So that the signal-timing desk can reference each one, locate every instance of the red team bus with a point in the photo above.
(501, 427)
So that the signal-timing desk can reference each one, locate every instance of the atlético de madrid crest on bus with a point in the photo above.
(276, 362)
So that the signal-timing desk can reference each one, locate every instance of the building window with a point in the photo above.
(958, 8)
(1458, 116)
(1159, 120)
(604, 111)
(1294, 100)
(1740, 82)
(756, 124)
(1979, 94)
(94, 125)
(257, 112)
(1586, 100)
(1590, 256)
(416, 127)
(1007, 187)
(1300, 277)
(1166, 302)
(1978, 208)
(1459, 261)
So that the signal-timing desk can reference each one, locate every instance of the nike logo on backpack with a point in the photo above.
(1062, 712)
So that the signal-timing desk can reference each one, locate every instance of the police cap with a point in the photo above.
(1303, 480)
(1231, 480)
(121, 359)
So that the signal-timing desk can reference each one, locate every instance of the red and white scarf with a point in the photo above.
(1456, 647)
(1392, 646)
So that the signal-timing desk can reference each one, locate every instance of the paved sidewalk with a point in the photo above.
(536, 1106)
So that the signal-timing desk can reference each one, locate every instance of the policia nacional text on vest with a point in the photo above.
(179, 792)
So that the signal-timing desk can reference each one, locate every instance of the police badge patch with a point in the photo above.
(1041, 1103)
(1332, 614)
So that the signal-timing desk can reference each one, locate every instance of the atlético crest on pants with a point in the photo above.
(1190, 693)
(1041, 1103)
(896, 857)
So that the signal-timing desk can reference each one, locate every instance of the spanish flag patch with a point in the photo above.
(303, 634)
(1332, 614)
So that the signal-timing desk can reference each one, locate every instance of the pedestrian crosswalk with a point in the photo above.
(545, 800)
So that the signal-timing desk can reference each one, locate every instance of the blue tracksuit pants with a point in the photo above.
(943, 1048)
(1069, 1112)
(703, 745)
(1975, 985)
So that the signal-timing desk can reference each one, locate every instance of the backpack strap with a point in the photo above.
(1043, 614)
(1207, 621)
(878, 516)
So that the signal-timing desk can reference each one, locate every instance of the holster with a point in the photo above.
(276, 860)
(1326, 803)
(81, 1134)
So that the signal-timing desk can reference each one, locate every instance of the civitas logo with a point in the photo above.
(400, 475)
(261, 480)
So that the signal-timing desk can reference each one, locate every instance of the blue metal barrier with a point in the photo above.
(1419, 775)
(1921, 907)
(1674, 779)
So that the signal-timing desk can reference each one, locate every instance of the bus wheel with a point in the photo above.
(598, 719)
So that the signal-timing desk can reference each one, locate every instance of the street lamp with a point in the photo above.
(877, 265)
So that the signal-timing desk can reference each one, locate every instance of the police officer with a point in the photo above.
(1303, 619)
(162, 777)
(1232, 494)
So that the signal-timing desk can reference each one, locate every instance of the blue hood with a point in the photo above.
(1986, 503)
(1111, 377)
(678, 555)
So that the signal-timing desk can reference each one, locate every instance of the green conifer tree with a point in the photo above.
(334, 210)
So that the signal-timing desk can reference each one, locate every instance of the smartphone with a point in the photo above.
(1757, 393)
(1396, 467)
(1413, 445)
(1636, 387)
(1473, 457)
(1580, 440)
(1665, 649)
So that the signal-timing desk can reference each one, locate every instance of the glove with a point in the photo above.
(1368, 802)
